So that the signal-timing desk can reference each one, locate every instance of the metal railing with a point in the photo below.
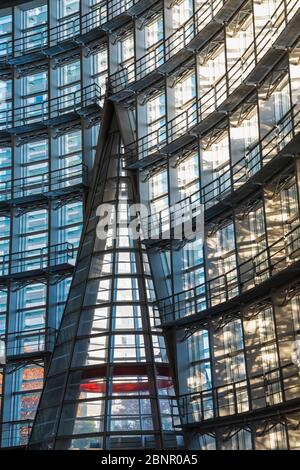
(248, 394)
(63, 178)
(20, 343)
(41, 38)
(15, 433)
(211, 99)
(37, 259)
(249, 274)
(162, 52)
(232, 178)
(55, 108)
(258, 155)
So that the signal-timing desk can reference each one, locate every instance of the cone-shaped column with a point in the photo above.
(108, 385)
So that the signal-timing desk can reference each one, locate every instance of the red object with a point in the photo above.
(98, 387)
(119, 370)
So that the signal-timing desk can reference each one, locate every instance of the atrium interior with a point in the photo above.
(161, 342)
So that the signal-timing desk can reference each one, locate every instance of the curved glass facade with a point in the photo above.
(206, 96)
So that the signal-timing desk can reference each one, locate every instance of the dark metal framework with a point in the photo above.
(108, 356)
(233, 393)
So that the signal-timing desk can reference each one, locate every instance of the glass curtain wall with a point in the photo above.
(109, 368)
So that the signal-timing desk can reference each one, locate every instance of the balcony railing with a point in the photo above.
(40, 38)
(251, 393)
(161, 53)
(15, 433)
(37, 259)
(211, 99)
(27, 343)
(52, 111)
(235, 176)
(36, 185)
(247, 275)
(182, 38)
(257, 156)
